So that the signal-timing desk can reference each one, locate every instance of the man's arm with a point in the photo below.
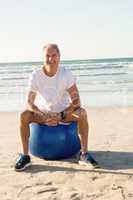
(49, 118)
(74, 95)
(30, 103)
(75, 98)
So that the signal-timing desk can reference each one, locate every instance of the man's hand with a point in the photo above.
(53, 118)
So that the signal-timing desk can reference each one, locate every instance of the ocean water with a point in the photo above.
(101, 82)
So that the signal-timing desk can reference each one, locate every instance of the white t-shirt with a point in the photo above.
(52, 92)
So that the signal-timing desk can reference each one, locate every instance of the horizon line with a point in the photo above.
(65, 60)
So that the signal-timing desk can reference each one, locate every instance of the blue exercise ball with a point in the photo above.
(54, 142)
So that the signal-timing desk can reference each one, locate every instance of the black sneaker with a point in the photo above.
(22, 162)
(88, 160)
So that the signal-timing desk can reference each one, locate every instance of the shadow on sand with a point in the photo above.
(110, 162)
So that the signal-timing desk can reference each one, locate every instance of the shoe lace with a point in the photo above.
(20, 159)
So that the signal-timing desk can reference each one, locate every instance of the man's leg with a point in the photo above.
(83, 128)
(80, 116)
(26, 118)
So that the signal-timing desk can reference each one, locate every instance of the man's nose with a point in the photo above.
(50, 58)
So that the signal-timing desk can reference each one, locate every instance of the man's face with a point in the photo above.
(51, 56)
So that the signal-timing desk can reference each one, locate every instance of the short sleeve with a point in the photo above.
(32, 84)
(71, 79)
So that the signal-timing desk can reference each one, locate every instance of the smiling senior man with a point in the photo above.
(59, 102)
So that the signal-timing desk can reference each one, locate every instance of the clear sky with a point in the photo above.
(83, 29)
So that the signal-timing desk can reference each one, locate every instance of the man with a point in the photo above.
(59, 102)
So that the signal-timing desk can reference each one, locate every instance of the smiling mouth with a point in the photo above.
(51, 63)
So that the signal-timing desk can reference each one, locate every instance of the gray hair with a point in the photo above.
(51, 45)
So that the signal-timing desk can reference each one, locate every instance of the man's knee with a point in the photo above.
(26, 116)
(81, 113)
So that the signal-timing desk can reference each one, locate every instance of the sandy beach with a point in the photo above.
(111, 144)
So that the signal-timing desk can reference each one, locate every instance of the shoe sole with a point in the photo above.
(88, 164)
(22, 169)
(85, 164)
